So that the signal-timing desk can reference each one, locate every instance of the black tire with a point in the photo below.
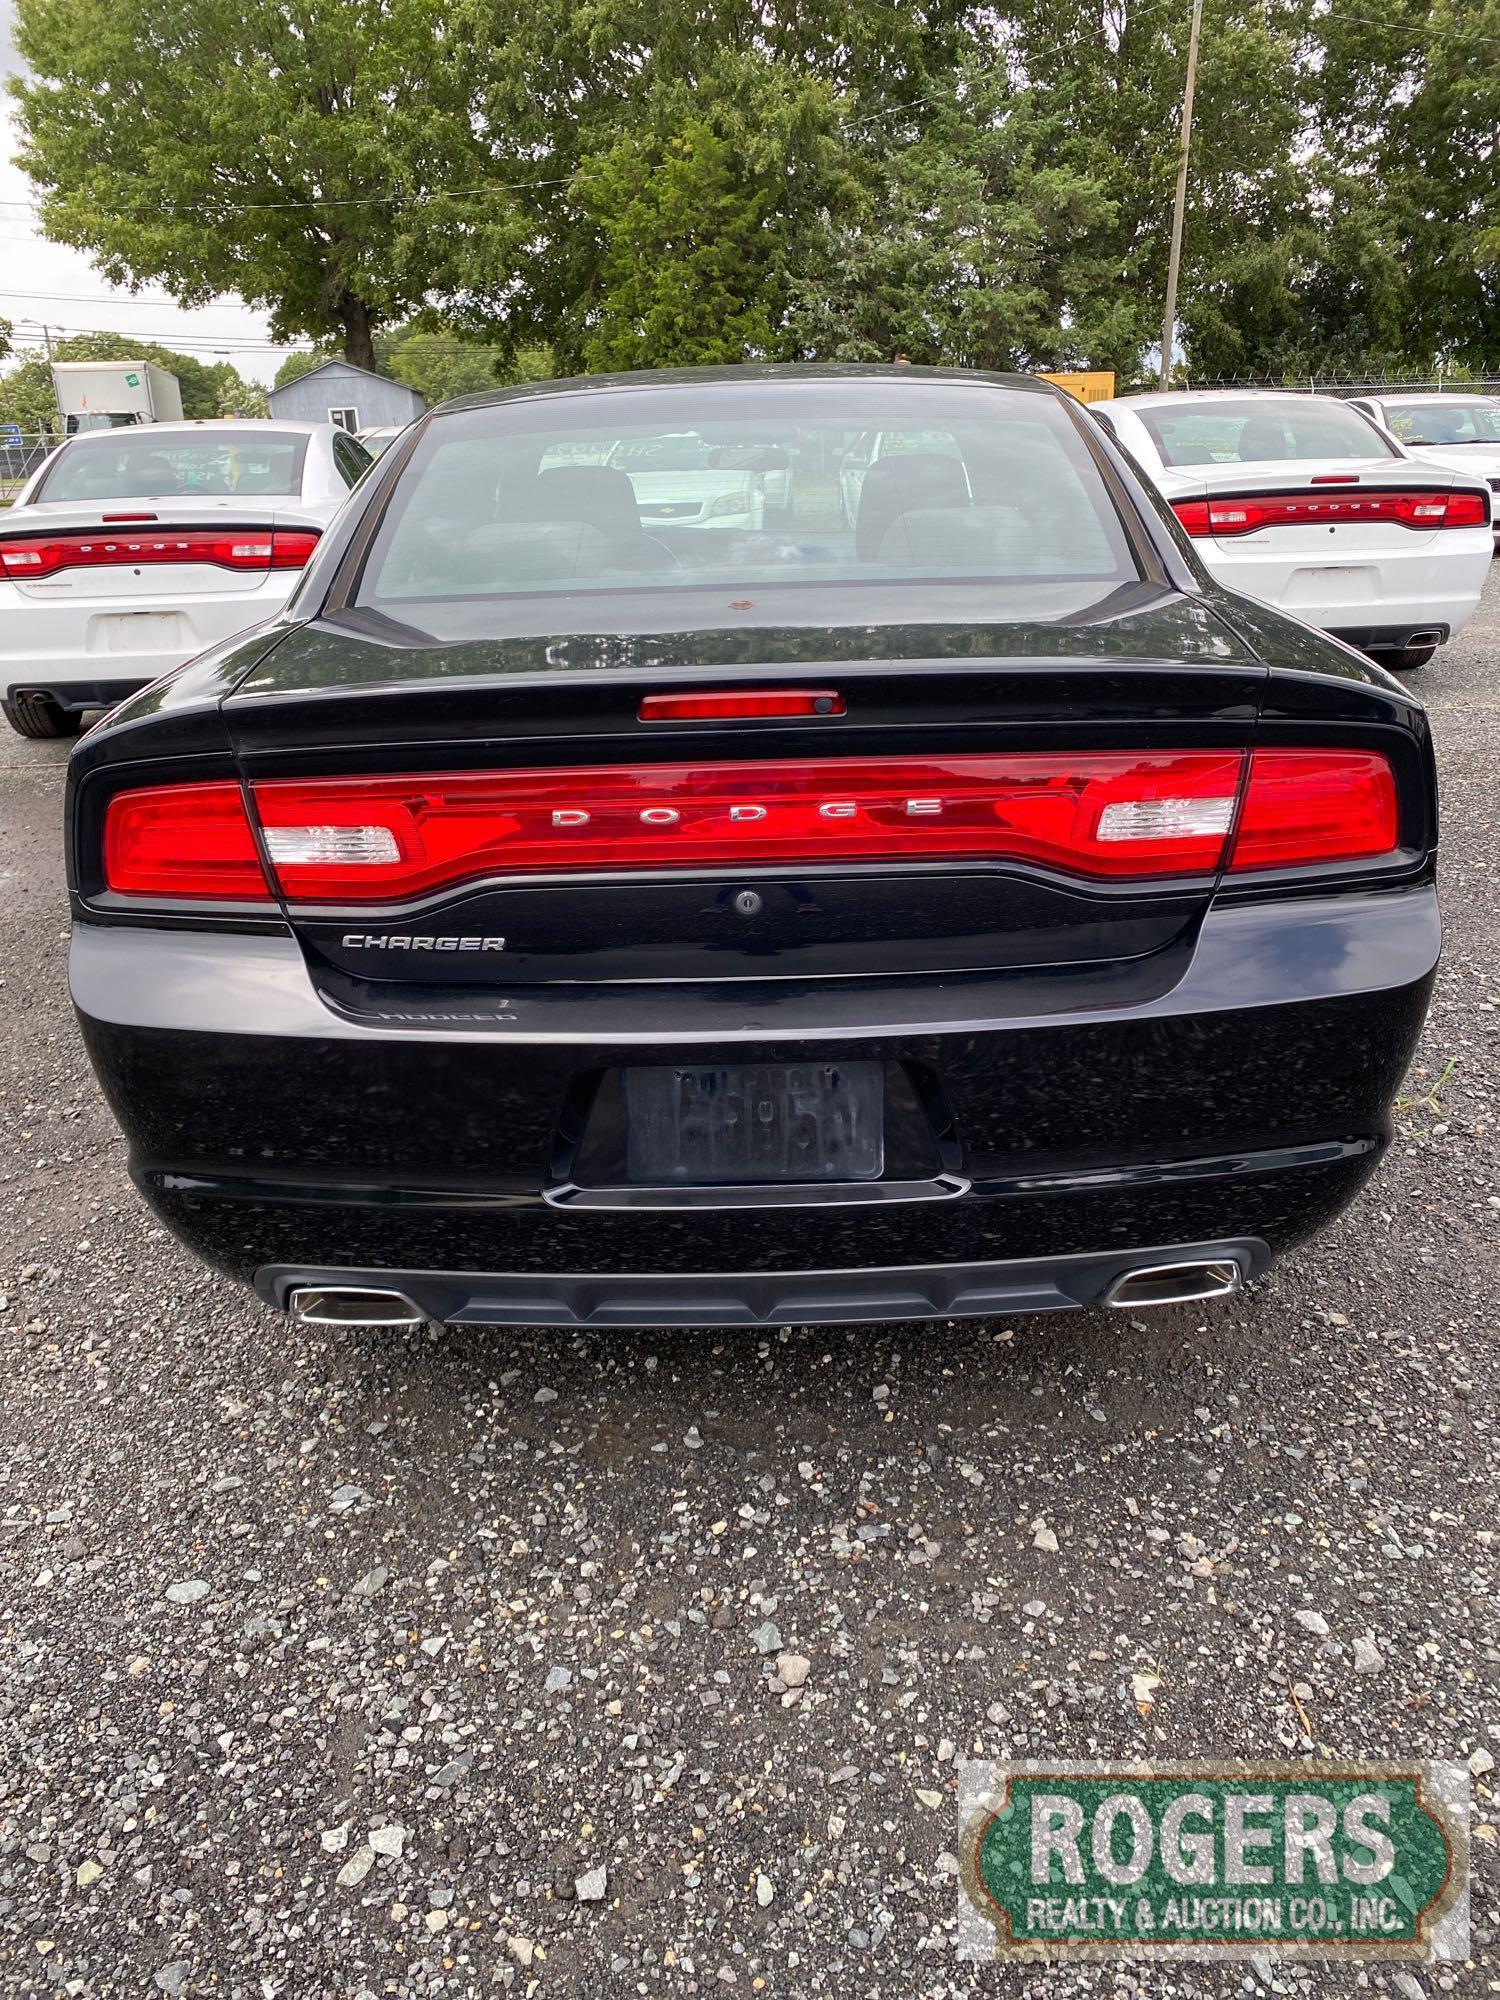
(39, 716)
(1406, 659)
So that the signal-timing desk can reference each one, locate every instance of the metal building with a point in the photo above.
(352, 397)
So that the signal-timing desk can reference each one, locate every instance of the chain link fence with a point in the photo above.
(21, 452)
(1346, 385)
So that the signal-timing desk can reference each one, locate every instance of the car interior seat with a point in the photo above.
(917, 482)
(1261, 437)
(597, 496)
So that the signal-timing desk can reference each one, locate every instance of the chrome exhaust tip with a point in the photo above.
(1175, 1284)
(351, 1305)
(1428, 638)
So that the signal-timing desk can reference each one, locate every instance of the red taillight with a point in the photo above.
(291, 548)
(1246, 514)
(29, 559)
(1467, 510)
(1111, 815)
(1308, 806)
(1193, 514)
(183, 840)
(741, 705)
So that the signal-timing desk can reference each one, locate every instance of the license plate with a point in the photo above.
(139, 632)
(755, 1123)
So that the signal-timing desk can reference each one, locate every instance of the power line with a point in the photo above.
(186, 343)
(122, 299)
(1406, 28)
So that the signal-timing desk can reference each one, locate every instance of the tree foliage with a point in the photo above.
(480, 188)
(254, 146)
(435, 360)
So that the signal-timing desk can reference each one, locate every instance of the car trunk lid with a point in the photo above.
(1361, 507)
(856, 840)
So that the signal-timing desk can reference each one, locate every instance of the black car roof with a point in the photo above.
(668, 378)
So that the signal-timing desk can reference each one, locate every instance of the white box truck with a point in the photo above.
(104, 395)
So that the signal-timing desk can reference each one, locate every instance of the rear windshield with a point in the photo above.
(1445, 423)
(743, 489)
(143, 467)
(1230, 433)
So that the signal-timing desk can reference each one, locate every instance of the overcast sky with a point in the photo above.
(50, 283)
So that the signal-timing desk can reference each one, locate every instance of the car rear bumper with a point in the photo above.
(1242, 1101)
(1404, 591)
(79, 694)
(759, 1298)
(63, 648)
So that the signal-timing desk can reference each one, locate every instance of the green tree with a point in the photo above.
(279, 151)
(1379, 258)
(700, 217)
(603, 118)
(26, 397)
(1437, 161)
(438, 365)
(967, 240)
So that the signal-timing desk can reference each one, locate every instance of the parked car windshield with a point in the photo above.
(140, 466)
(1232, 433)
(742, 489)
(1445, 422)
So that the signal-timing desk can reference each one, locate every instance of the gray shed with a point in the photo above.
(353, 397)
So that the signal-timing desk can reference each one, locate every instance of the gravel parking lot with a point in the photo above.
(353, 1663)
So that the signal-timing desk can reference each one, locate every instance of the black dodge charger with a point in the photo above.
(754, 846)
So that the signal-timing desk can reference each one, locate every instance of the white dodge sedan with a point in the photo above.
(128, 552)
(1462, 432)
(1305, 503)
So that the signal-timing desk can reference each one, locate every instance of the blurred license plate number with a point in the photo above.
(755, 1123)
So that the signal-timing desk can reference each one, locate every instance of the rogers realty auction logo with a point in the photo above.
(1304, 1860)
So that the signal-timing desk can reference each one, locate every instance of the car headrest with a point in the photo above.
(1262, 437)
(600, 495)
(920, 479)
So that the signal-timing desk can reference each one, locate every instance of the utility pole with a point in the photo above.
(1179, 206)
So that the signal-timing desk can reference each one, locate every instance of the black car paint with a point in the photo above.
(1117, 1070)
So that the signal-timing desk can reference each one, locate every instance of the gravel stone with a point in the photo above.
(356, 1868)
